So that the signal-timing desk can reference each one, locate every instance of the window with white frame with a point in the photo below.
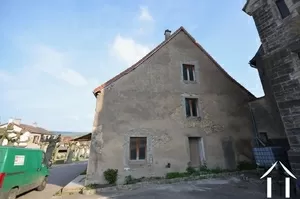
(188, 71)
(191, 107)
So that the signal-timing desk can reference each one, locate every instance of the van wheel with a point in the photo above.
(12, 194)
(42, 185)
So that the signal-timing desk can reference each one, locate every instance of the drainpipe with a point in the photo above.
(256, 138)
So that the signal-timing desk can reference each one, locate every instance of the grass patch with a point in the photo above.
(190, 171)
(97, 186)
(172, 175)
(91, 186)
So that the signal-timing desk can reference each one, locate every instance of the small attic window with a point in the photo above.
(283, 9)
(188, 72)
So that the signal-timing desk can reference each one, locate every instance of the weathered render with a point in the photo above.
(148, 100)
(278, 25)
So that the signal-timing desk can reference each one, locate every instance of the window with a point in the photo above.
(36, 139)
(191, 107)
(283, 9)
(138, 148)
(188, 72)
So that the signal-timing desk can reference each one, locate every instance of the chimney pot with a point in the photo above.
(167, 34)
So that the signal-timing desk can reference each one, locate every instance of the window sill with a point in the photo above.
(194, 118)
(189, 82)
(137, 161)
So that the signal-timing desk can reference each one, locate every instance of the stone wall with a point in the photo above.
(149, 102)
(264, 118)
(281, 65)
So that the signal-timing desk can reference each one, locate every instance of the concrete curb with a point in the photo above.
(75, 186)
(91, 191)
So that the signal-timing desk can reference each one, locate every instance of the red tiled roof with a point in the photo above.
(33, 129)
(128, 70)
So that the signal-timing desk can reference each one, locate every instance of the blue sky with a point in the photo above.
(54, 53)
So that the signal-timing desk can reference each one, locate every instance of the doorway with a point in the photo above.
(195, 153)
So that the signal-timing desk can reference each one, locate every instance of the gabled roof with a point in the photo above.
(259, 53)
(246, 5)
(86, 137)
(133, 67)
(32, 129)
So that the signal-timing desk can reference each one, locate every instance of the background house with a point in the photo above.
(174, 108)
(32, 136)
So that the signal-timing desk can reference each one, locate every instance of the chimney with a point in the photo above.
(167, 34)
(34, 124)
(10, 120)
(17, 121)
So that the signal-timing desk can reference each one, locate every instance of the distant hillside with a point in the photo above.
(69, 133)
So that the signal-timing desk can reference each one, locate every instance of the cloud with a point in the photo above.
(57, 64)
(128, 50)
(145, 14)
(49, 90)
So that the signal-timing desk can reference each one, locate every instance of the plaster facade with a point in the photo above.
(149, 102)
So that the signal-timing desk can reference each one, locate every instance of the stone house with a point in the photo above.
(32, 136)
(278, 64)
(174, 108)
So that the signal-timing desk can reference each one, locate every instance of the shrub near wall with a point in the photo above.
(111, 176)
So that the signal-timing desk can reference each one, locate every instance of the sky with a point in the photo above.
(54, 53)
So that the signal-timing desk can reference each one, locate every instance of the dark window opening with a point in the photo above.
(35, 139)
(138, 148)
(263, 137)
(283, 9)
(191, 107)
(188, 72)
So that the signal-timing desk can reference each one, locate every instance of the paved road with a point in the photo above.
(59, 176)
(203, 189)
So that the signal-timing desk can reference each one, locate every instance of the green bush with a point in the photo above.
(171, 175)
(216, 170)
(191, 170)
(203, 167)
(111, 175)
(244, 165)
